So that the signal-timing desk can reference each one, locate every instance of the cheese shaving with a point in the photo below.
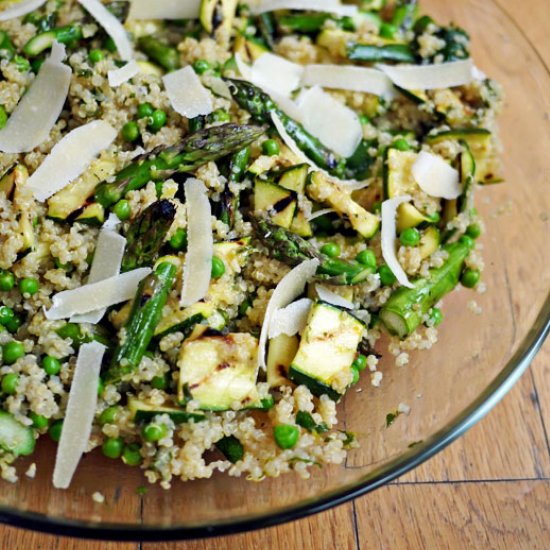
(118, 77)
(328, 6)
(187, 94)
(430, 77)
(200, 243)
(21, 8)
(164, 9)
(79, 415)
(388, 238)
(329, 296)
(37, 112)
(288, 289)
(349, 77)
(291, 319)
(436, 177)
(276, 73)
(106, 263)
(95, 296)
(112, 26)
(70, 157)
(334, 124)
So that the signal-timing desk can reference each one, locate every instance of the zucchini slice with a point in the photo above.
(429, 241)
(142, 411)
(216, 14)
(321, 189)
(93, 214)
(295, 179)
(275, 201)
(327, 350)
(219, 371)
(248, 48)
(282, 350)
(14, 436)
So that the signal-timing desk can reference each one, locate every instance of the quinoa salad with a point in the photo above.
(211, 211)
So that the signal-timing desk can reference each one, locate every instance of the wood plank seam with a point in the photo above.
(539, 409)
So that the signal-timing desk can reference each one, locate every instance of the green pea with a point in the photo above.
(7, 281)
(271, 147)
(436, 316)
(401, 144)
(131, 455)
(130, 131)
(145, 110)
(100, 387)
(12, 351)
(387, 30)
(178, 241)
(470, 278)
(13, 324)
(467, 240)
(108, 416)
(55, 429)
(387, 278)
(364, 119)
(160, 382)
(355, 376)
(218, 267)
(367, 258)
(51, 365)
(9, 383)
(109, 45)
(29, 285)
(6, 314)
(473, 231)
(122, 210)
(3, 117)
(23, 65)
(154, 432)
(360, 363)
(95, 56)
(332, 250)
(112, 447)
(286, 435)
(410, 236)
(157, 120)
(434, 218)
(201, 66)
(38, 421)
(220, 115)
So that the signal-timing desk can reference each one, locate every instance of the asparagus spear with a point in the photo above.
(7, 49)
(163, 54)
(43, 41)
(390, 52)
(146, 235)
(406, 307)
(146, 313)
(230, 201)
(194, 150)
(287, 247)
(260, 106)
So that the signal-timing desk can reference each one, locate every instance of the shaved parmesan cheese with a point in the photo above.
(122, 75)
(187, 94)
(436, 177)
(329, 296)
(112, 222)
(276, 73)
(200, 243)
(388, 238)
(37, 112)
(328, 6)
(112, 26)
(334, 124)
(288, 289)
(81, 406)
(94, 296)
(164, 9)
(291, 319)
(430, 77)
(478, 74)
(349, 77)
(21, 8)
(106, 263)
(70, 157)
(320, 213)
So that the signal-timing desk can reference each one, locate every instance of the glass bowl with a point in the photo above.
(449, 388)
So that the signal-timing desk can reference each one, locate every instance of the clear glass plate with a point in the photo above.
(475, 363)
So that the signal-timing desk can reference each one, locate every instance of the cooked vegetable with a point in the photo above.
(15, 438)
(159, 52)
(43, 41)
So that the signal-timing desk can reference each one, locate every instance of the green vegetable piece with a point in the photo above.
(7, 49)
(332, 250)
(473, 231)
(286, 435)
(15, 438)
(178, 241)
(23, 65)
(145, 110)
(387, 278)
(162, 54)
(151, 297)
(360, 363)
(154, 432)
(109, 415)
(367, 258)
(68, 34)
(130, 131)
(38, 421)
(122, 210)
(29, 286)
(201, 66)
(51, 365)
(6, 315)
(13, 324)
(10, 382)
(388, 30)
(436, 317)
(401, 144)
(410, 237)
(95, 56)
(12, 351)
(231, 448)
(305, 420)
(375, 54)
(112, 447)
(157, 120)
(3, 117)
(100, 387)
(131, 455)
(218, 267)
(271, 147)
(355, 375)
(470, 278)
(55, 429)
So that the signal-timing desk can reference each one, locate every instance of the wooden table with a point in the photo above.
(489, 489)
